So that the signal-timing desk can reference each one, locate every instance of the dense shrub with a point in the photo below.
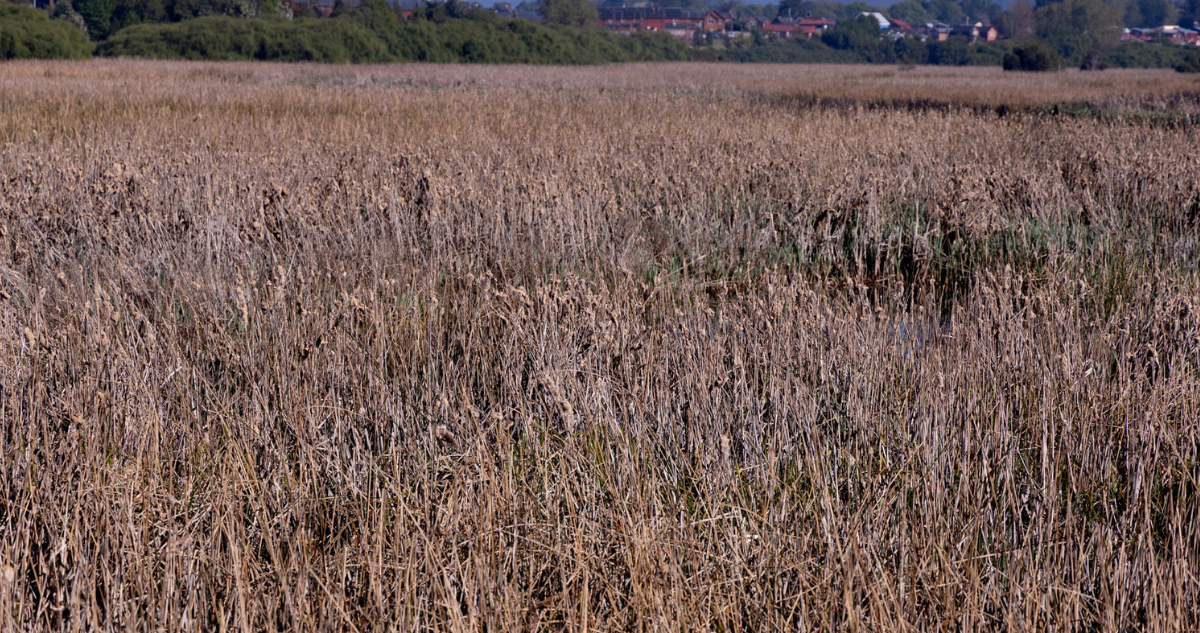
(989, 53)
(859, 33)
(1093, 60)
(1032, 57)
(859, 46)
(1144, 55)
(569, 12)
(26, 32)
(953, 52)
(371, 36)
(1189, 63)
(105, 17)
(1074, 27)
(912, 51)
(226, 38)
(372, 32)
(439, 34)
(97, 16)
(791, 51)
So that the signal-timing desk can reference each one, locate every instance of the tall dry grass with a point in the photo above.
(670, 347)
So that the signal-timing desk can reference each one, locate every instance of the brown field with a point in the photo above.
(675, 347)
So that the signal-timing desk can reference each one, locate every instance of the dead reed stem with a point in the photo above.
(666, 347)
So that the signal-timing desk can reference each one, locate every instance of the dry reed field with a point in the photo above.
(639, 348)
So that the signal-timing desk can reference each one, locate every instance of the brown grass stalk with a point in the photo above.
(623, 348)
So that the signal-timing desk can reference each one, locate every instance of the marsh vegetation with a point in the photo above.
(615, 348)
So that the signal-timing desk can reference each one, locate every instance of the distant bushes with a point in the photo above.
(364, 37)
(790, 51)
(955, 52)
(854, 45)
(226, 38)
(1143, 55)
(486, 38)
(1093, 60)
(26, 32)
(1189, 63)
(450, 31)
(1032, 57)
(859, 34)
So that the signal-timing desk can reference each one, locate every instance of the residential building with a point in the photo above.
(810, 27)
(681, 23)
(878, 17)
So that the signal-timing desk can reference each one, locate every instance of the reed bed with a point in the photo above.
(678, 347)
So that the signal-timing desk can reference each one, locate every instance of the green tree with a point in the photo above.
(26, 32)
(98, 16)
(1093, 60)
(852, 10)
(827, 9)
(952, 52)
(1018, 23)
(912, 50)
(982, 10)
(1073, 27)
(861, 36)
(1033, 57)
(947, 11)
(735, 7)
(376, 15)
(482, 37)
(1128, 10)
(911, 11)
(64, 10)
(1189, 12)
(1156, 12)
(857, 34)
(1190, 63)
(569, 12)
(130, 12)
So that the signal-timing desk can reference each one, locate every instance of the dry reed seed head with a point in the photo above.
(443, 434)
(709, 431)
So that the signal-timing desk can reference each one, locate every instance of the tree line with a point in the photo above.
(1053, 35)
(1045, 35)
(370, 33)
